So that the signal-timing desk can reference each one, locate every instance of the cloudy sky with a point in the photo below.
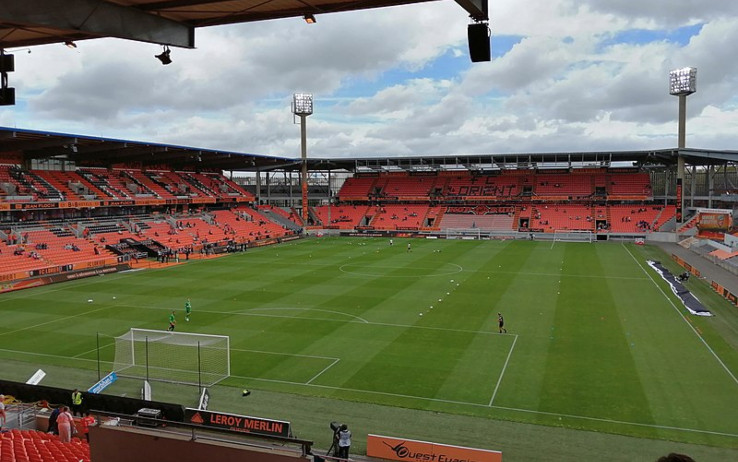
(566, 75)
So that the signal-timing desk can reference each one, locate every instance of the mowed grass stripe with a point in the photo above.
(397, 300)
(529, 307)
(589, 364)
(665, 343)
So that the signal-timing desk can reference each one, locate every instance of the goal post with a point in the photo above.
(177, 357)
(570, 235)
(463, 233)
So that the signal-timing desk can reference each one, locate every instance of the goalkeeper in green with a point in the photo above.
(188, 309)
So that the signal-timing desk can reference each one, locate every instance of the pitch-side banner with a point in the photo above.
(387, 447)
(237, 423)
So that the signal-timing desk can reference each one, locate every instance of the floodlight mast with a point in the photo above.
(682, 83)
(302, 107)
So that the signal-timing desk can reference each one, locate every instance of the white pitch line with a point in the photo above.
(311, 309)
(466, 403)
(43, 290)
(704, 342)
(619, 422)
(499, 379)
(93, 350)
(50, 356)
(54, 320)
(363, 321)
(559, 275)
(321, 372)
(283, 354)
(357, 273)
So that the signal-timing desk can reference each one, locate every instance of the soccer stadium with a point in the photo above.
(171, 303)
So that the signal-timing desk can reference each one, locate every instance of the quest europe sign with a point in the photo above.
(405, 450)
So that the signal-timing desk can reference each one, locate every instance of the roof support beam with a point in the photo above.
(477, 9)
(99, 18)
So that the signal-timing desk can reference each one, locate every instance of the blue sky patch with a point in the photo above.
(446, 67)
(680, 36)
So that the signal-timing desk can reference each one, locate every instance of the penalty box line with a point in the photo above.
(296, 355)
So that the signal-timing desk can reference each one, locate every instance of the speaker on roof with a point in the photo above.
(7, 96)
(479, 42)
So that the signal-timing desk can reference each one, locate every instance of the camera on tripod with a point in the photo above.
(336, 427)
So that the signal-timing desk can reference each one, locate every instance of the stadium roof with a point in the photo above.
(104, 152)
(168, 22)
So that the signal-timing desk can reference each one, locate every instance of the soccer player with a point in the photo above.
(172, 322)
(501, 323)
(188, 310)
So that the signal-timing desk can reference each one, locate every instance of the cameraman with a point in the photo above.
(344, 442)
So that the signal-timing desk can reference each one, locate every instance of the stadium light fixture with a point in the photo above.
(302, 104)
(310, 19)
(302, 107)
(682, 83)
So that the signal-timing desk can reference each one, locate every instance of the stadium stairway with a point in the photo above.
(277, 218)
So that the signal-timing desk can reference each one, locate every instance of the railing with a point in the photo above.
(21, 416)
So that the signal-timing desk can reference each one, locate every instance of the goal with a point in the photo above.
(573, 236)
(463, 233)
(177, 357)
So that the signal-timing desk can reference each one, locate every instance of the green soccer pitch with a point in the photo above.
(595, 341)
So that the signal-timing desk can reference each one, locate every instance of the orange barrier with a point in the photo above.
(686, 265)
(386, 447)
(731, 297)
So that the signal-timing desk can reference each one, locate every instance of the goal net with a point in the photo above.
(573, 236)
(178, 357)
(463, 233)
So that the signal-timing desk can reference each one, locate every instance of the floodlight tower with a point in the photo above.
(302, 107)
(682, 83)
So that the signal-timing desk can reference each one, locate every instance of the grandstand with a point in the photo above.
(109, 213)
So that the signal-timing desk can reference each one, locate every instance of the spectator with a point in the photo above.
(2, 411)
(87, 421)
(65, 423)
(674, 457)
(53, 427)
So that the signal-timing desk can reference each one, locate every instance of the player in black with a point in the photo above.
(501, 323)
